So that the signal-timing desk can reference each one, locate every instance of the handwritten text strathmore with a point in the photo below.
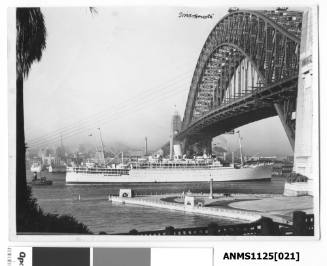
(196, 16)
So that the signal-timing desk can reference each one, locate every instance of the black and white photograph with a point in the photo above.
(164, 121)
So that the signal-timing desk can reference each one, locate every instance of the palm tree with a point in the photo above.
(30, 42)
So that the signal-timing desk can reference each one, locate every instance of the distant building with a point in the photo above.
(61, 152)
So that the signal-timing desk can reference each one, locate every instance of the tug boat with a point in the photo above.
(40, 182)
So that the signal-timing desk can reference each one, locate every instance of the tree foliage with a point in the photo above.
(30, 43)
(31, 38)
(34, 220)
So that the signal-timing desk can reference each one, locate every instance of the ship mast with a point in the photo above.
(61, 143)
(240, 143)
(102, 146)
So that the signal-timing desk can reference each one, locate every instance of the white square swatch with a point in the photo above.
(181, 256)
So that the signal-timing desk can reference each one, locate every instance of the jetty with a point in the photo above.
(188, 208)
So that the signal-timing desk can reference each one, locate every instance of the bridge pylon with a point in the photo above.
(201, 146)
(306, 150)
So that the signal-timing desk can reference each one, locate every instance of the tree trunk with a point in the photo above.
(21, 187)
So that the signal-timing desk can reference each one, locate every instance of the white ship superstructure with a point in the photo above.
(36, 167)
(166, 173)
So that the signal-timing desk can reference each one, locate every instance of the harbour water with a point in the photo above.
(89, 203)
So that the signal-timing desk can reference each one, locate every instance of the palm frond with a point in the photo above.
(31, 38)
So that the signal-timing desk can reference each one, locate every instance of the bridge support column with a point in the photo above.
(285, 113)
(203, 146)
(306, 150)
(185, 147)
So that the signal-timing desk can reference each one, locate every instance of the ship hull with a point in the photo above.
(157, 175)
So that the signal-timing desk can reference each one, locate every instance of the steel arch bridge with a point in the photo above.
(247, 70)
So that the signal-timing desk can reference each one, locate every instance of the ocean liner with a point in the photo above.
(161, 170)
(168, 172)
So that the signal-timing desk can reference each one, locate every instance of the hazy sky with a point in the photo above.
(123, 70)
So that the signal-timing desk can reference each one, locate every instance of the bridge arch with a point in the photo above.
(221, 75)
(269, 40)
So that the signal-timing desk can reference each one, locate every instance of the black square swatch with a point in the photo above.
(49, 256)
